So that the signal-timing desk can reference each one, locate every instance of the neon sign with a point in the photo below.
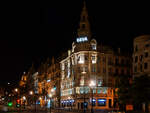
(82, 39)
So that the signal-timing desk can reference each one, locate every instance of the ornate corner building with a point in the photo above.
(87, 61)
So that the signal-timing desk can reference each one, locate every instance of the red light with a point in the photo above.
(18, 100)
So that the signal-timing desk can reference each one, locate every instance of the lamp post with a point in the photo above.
(24, 100)
(84, 109)
(50, 96)
(92, 84)
(31, 93)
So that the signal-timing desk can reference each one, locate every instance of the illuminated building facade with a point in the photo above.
(87, 61)
(49, 83)
(53, 83)
(23, 80)
(141, 56)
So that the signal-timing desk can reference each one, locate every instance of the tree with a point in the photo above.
(141, 91)
(124, 91)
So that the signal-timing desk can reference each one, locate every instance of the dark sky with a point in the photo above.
(31, 34)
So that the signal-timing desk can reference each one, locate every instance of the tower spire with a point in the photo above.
(84, 26)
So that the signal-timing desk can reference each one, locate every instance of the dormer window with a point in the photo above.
(93, 44)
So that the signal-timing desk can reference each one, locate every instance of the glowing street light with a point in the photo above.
(50, 96)
(31, 92)
(52, 90)
(16, 89)
(24, 98)
(40, 98)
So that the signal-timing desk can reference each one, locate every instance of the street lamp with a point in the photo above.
(50, 96)
(16, 90)
(31, 93)
(92, 84)
(24, 100)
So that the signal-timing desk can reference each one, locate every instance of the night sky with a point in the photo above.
(30, 34)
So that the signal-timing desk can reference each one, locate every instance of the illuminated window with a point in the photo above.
(93, 46)
(94, 69)
(101, 102)
(62, 74)
(81, 90)
(98, 91)
(82, 81)
(99, 82)
(63, 66)
(78, 90)
(81, 59)
(87, 89)
(104, 90)
(94, 59)
(68, 73)
(84, 70)
(94, 90)
(68, 63)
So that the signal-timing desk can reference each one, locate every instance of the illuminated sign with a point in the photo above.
(101, 100)
(82, 39)
(48, 80)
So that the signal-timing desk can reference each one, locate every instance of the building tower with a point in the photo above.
(87, 64)
(84, 26)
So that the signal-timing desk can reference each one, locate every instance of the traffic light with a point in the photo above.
(17, 103)
(10, 104)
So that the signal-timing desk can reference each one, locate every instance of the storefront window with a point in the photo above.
(101, 102)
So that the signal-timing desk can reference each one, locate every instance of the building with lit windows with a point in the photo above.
(87, 61)
(49, 84)
(53, 83)
(141, 56)
(23, 80)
